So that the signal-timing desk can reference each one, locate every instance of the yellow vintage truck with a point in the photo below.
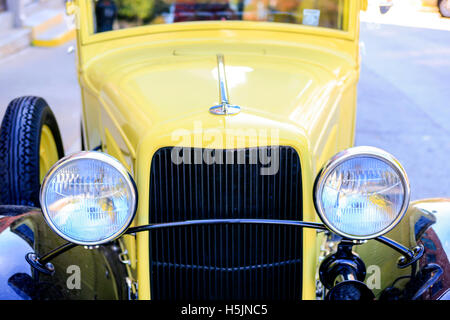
(217, 164)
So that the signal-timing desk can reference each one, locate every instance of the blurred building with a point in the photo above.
(14, 12)
(35, 22)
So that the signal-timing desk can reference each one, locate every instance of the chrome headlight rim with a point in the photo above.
(98, 156)
(356, 152)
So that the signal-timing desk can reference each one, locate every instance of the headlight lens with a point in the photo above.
(362, 192)
(88, 198)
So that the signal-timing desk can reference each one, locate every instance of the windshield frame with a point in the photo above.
(87, 35)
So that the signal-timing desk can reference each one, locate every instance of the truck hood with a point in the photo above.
(181, 84)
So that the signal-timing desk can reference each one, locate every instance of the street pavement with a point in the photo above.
(403, 94)
(51, 74)
(404, 102)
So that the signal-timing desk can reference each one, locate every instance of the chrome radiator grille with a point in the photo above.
(225, 261)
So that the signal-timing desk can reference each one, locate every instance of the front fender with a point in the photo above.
(432, 230)
(426, 222)
(79, 273)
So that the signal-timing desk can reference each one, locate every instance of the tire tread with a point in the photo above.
(19, 149)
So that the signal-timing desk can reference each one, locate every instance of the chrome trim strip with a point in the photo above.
(304, 224)
(409, 255)
(224, 108)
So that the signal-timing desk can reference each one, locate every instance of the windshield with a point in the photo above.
(121, 14)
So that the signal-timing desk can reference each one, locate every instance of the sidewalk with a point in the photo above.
(44, 25)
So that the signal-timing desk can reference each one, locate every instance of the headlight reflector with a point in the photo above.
(361, 193)
(88, 198)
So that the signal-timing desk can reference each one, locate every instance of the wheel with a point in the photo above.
(83, 147)
(30, 143)
(444, 8)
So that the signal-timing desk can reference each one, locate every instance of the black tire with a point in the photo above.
(83, 147)
(20, 136)
(444, 8)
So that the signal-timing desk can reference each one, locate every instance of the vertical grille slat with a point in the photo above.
(225, 261)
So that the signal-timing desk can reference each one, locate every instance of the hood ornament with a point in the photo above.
(224, 108)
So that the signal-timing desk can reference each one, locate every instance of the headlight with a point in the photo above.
(361, 193)
(88, 198)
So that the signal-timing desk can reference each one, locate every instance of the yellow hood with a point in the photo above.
(170, 88)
